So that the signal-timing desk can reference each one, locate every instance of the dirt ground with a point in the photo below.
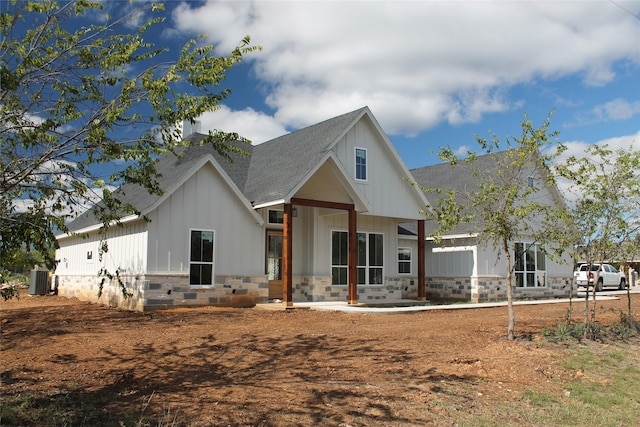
(224, 366)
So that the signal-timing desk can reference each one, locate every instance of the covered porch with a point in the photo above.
(352, 275)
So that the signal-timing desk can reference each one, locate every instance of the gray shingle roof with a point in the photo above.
(277, 166)
(269, 173)
(445, 177)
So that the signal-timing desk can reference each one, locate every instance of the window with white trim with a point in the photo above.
(530, 266)
(370, 262)
(370, 258)
(339, 257)
(361, 164)
(404, 260)
(201, 257)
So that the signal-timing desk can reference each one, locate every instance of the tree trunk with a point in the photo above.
(585, 332)
(595, 293)
(512, 317)
(629, 280)
(570, 311)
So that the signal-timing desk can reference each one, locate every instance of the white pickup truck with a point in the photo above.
(609, 276)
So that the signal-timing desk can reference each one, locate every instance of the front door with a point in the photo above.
(274, 263)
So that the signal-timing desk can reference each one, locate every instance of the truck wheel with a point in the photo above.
(599, 286)
(623, 285)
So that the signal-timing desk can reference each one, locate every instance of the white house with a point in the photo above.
(277, 224)
(324, 213)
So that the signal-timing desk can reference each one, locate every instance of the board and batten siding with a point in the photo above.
(205, 202)
(451, 258)
(385, 189)
(127, 251)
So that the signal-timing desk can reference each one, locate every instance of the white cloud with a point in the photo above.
(251, 124)
(618, 109)
(462, 151)
(58, 171)
(578, 149)
(416, 64)
(614, 110)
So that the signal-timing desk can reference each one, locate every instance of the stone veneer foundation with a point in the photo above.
(491, 288)
(319, 288)
(153, 292)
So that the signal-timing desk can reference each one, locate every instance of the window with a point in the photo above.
(276, 217)
(370, 263)
(339, 257)
(274, 255)
(531, 182)
(404, 260)
(201, 258)
(361, 164)
(530, 268)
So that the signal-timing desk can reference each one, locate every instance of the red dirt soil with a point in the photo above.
(225, 366)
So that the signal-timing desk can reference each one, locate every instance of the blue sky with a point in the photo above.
(434, 73)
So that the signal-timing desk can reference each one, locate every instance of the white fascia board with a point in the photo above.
(453, 249)
(270, 204)
(431, 239)
(454, 236)
(97, 227)
(347, 128)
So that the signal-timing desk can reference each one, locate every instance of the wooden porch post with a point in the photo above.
(287, 248)
(422, 291)
(353, 256)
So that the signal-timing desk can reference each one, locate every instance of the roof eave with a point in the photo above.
(96, 227)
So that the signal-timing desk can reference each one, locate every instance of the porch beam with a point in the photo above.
(353, 257)
(422, 291)
(287, 248)
(322, 204)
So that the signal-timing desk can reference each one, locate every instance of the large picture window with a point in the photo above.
(361, 164)
(370, 262)
(201, 258)
(530, 266)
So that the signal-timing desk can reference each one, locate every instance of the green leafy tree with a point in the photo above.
(24, 260)
(606, 189)
(78, 98)
(504, 206)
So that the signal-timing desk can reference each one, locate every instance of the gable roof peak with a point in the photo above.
(278, 165)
